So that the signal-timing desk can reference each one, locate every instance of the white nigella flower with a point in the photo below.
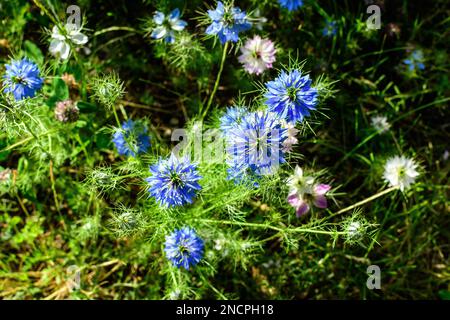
(380, 123)
(400, 171)
(165, 26)
(60, 44)
(299, 183)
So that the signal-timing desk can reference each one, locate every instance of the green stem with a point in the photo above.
(43, 8)
(216, 85)
(115, 29)
(266, 226)
(117, 117)
(360, 203)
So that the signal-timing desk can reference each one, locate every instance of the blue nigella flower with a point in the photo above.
(330, 28)
(165, 26)
(415, 60)
(184, 248)
(227, 23)
(132, 139)
(231, 118)
(291, 96)
(241, 174)
(22, 79)
(291, 5)
(174, 181)
(256, 144)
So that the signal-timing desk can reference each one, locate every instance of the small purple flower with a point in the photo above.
(257, 55)
(227, 22)
(22, 79)
(184, 248)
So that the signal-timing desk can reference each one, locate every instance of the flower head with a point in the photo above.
(257, 143)
(400, 171)
(227, 22)
(66, 111)
(166, 26)
(380, 123)
(22, 79)
(184, 248)
(330, 29)
(291, 5)
(305, 191)
(61, 42)
(174, 182)
(257, 55)
(231, 118)
(291, 96)
(132, 138)
(415, 61)
(291, 139)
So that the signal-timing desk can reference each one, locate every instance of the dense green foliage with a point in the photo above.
(70, 204)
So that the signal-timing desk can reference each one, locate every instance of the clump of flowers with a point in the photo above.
(415, 61)
(166, 26)
(291, 5)
(291, 96)
(330, 28)
(184, 248)
(22, 79)
(304, 191)
(132, 138)
(67, 111)
(62, 41)
(227, 22)
(174, 182)
(256, 143)
(258, 55)
(380, 123)
(400, 171)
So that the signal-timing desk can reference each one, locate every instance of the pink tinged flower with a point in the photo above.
(257, 55)
(291, 139)
(319, 195)
(301, 206)
(300, 202)
(302, 209)
(293, 199)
